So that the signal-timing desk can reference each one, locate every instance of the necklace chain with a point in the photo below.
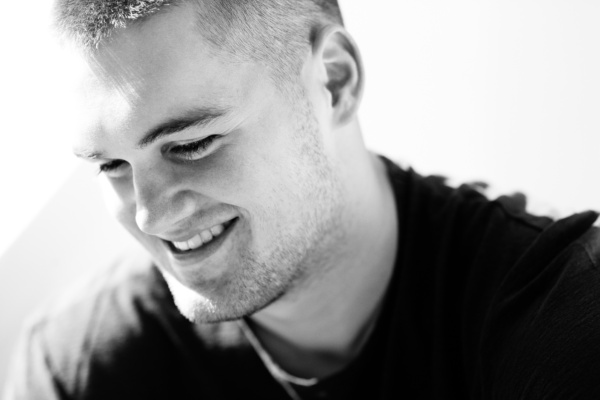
(289, 389)
(272, 367)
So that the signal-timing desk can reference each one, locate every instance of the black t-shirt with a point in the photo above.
(486, 302)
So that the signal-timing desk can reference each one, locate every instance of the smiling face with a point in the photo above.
(231, 185)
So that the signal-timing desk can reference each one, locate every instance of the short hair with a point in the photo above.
(273, 32)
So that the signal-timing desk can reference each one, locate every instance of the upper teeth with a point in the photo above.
(201, 238)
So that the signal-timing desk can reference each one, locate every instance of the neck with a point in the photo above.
(320, 329)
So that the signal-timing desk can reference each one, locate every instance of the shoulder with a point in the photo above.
(111, 302)
(542, 338)
(435, 198)
(522, 290)
(467, 229)
(107, 334)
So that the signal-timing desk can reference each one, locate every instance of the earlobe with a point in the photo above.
(339, 56)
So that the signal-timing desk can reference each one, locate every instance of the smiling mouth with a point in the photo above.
(202, 240)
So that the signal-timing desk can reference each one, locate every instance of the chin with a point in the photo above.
(231, 299)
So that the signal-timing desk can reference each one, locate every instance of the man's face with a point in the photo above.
(229, 184)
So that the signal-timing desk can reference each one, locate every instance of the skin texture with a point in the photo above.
(314, 240)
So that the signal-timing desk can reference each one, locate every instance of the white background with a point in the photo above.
(502, 91)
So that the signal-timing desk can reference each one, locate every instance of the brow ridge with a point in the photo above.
(194, 118)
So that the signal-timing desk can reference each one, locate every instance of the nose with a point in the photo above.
(161, 200)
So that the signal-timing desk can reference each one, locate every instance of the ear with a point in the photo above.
(335, 51)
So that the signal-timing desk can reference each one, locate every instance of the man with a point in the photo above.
(289, 262)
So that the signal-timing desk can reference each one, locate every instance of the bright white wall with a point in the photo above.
(505, 91)
(34, 110)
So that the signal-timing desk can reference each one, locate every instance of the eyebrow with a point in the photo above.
(198, 117)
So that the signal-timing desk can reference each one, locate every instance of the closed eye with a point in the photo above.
(188, 152)
(194, 150)
(110, 167)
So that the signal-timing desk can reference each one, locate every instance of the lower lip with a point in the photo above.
(203, 252)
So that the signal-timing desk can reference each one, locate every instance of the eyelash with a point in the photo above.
(109, 166)
(186, 151)
(189, 150)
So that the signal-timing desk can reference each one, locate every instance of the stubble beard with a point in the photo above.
(257, 281)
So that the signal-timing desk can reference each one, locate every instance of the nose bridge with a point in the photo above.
(160, 199)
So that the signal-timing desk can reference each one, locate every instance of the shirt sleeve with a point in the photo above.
(544, 341)
(31, 375)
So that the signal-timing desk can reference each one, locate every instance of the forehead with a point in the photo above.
(158, 68)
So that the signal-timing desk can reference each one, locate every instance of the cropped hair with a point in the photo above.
(273, 32)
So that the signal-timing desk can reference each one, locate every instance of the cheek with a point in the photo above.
(272, 184)
(257, 177)
(239, 174)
